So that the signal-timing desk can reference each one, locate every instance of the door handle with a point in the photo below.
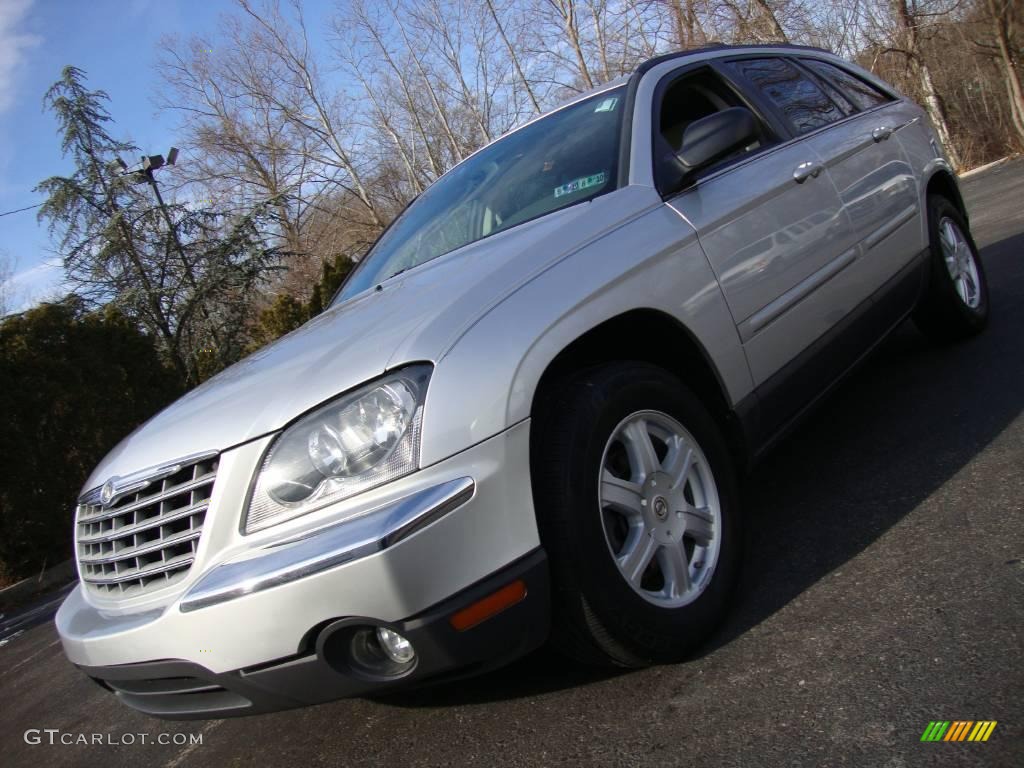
(881, 133)
(805, 171)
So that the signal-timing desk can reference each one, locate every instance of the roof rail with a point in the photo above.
(653, 62)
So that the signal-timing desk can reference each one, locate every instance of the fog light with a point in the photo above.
(379, 652)
(396, 647)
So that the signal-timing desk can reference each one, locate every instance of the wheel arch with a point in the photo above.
(658, 338)
(942, 182)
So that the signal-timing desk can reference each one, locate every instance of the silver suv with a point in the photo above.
(525, 413)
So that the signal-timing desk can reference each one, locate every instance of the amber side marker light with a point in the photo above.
(493, 604)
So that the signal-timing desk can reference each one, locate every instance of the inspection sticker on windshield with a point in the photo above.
(607, 105)
(575, 186)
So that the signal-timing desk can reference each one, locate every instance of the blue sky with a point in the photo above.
(115, 42)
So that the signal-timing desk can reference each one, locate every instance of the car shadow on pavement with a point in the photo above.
(901, 426)
(895, 431)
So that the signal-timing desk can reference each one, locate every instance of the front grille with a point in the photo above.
(147, 538)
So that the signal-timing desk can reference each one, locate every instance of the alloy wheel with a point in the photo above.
(660, 509)
(959, 258)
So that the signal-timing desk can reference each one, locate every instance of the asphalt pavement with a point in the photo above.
(884, 589)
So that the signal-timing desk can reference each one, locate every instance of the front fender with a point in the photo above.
(487, 380)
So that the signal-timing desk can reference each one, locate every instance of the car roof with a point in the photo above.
(713, 50)
(704, 51)
(719, 49)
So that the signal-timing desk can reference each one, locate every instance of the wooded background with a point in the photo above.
(299, 148)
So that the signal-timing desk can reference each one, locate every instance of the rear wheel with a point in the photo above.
(955, 304)
(636, 501)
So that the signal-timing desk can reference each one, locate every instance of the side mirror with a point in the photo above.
(713, 137)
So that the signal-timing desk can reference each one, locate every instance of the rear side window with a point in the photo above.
(860, 93)
(841, 101)
(796, 95)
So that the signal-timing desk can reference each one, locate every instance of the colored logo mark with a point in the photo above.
(958, 730)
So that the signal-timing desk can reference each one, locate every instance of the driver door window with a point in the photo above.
(690, 98)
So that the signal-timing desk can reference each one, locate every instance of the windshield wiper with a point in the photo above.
(394, 274)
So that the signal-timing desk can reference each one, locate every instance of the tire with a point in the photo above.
(598, 616)
(952, 309)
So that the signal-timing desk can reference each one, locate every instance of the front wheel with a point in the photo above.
(637, 506)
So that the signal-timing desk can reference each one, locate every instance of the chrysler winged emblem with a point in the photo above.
(107, 492)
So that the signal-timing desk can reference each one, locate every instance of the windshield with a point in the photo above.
(564, 158)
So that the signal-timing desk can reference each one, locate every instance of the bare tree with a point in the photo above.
(384, 114)
(445, 26)
(430, 84)
(686, 21)
(318, 112)
(568, 19)
(514, 56)
(240, 150)
(903, 28)
(1005, 18)
(835, 25)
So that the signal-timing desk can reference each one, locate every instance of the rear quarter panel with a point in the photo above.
(924, 152)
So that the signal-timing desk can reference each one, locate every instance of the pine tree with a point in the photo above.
(186, 274)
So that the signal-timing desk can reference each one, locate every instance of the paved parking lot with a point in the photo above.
(885, 589)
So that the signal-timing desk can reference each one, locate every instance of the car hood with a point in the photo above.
(416, 316)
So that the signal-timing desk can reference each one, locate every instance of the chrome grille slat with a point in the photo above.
(145, 525)
(141, 573)
(142, 503)
(148, 536)
(142, 550)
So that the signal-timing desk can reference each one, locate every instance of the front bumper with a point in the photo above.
(181, 690)
(389, 557)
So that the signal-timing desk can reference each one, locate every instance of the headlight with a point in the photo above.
(365, 438)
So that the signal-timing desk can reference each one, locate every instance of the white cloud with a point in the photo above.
(43, 282)
(14, 46)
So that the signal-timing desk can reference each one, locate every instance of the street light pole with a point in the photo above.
(163, 209)
(149, 164)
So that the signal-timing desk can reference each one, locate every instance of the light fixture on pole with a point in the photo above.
(144, 173)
